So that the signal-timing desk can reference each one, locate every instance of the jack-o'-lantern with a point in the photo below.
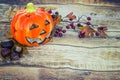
(32, 26)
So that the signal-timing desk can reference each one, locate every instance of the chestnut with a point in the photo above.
(7, 44)
(14, 56)
(5, 52)
(18, 49)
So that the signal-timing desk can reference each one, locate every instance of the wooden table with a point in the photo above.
(68, 58)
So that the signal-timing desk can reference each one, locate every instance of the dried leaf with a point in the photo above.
(10, 12)
(9, 35)
(103, 34)
(102, 30)
(91, 32)
(71, 16)
(82, 27)
(86, 31)
(57, 20)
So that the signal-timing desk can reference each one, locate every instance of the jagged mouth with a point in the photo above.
(37, 40)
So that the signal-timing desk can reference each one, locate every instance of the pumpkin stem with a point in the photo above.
(30, 7)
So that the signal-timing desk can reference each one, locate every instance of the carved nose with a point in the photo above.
(34, 26)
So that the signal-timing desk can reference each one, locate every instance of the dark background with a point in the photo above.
(56, 1)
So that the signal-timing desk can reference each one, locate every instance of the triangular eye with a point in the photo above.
(34, 26)
(42, 32)
(47, 22)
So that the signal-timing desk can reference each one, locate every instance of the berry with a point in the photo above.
(5, 52)
(56, 13)
(78, 24)
(60, 34)
(59, 30)
(73, 27)
(56, 31)
(97, 34)
(50, 11)
(68, 27)
(81, 35)
(55, 34)
(71, 24)
(64, 31)
(100, 28)
(88, 23)
(53, 16)
(70, 19)
(88, 18)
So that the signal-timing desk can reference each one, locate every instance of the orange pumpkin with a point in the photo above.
(32, 26)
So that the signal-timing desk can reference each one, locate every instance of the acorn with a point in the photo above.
(7, 44)
(14, 56)
(5, 52)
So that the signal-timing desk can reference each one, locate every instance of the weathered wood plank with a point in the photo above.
(73, 57)
(31, 73)
(69, 58)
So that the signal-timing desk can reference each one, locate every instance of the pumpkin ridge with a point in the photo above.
(18, 22)
(21, 27)
(14, 21)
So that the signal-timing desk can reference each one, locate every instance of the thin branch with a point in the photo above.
(78, 21)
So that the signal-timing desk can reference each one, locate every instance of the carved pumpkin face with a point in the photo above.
(32, 27)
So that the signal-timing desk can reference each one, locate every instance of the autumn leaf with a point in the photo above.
(71, 16)
(102, 32)
(82, 27)
(91, 32)
(86, 31)
(10, 12)
(58, 19)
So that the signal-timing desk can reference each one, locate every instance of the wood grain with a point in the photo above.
(31, 73)
(68, 58)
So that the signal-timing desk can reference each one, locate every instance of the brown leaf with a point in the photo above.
(86, 31)
(71, 16)
(103, 34)
(92, 31)
(58, 19)
(91, 34)
(8, 35)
